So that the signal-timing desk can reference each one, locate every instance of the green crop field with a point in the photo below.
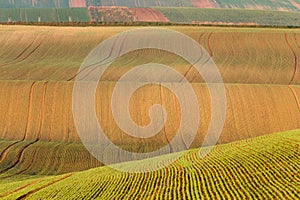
(234, 16)
(241, 17)
(259, 168)
(260, 4)
(44, 155)
(44, 15)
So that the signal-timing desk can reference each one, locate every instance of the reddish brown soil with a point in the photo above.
(203, 4)
(77, 3)
(148, 15)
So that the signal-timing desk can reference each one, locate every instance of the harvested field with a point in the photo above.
(223, 174)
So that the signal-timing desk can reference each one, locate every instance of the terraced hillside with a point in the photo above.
(260, 168)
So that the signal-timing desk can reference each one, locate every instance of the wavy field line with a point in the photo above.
(209, 49)
(91, 70)
(42, 187)
(20, 54)
(20, 188)
(21, 153)
(42, 111)
(211, 53)
(295, 96)
(162, 100)
(18, 158)
(27, 56)
(296, 59)
(26, 168)
(29, 110)
(192, 65)
(6, 150)
(178, 114)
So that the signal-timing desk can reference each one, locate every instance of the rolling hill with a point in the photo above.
(37, 80)
(263, 168)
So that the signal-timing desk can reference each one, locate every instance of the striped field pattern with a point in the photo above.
(259, 168)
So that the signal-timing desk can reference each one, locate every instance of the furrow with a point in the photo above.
(23, 52)
(162, 99)
(295, 57)
(5, 151)
(42, 111)
(192, 66)
(18, 159)
(20, 188)
(295, 96)
(87, 68)
(29, 110)
(42, 187)
(27, 56)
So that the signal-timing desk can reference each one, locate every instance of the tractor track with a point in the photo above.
(298, 45)
(29, 110)
(26, 168)
(210, 52)
(295, 96)
(88, 67)
(20, 54)
(191, 67)
(162, 100)
(24, 196)
(27, 56)
(178, 113)
(20, 188)
(22, 151)
(6, 150)
(296, 59)
(42, 111)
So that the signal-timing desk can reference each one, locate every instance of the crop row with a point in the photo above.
(45, 115)
(231, 16)
(55, 101)
(264, 168)
(44, 15)
(268, 56)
